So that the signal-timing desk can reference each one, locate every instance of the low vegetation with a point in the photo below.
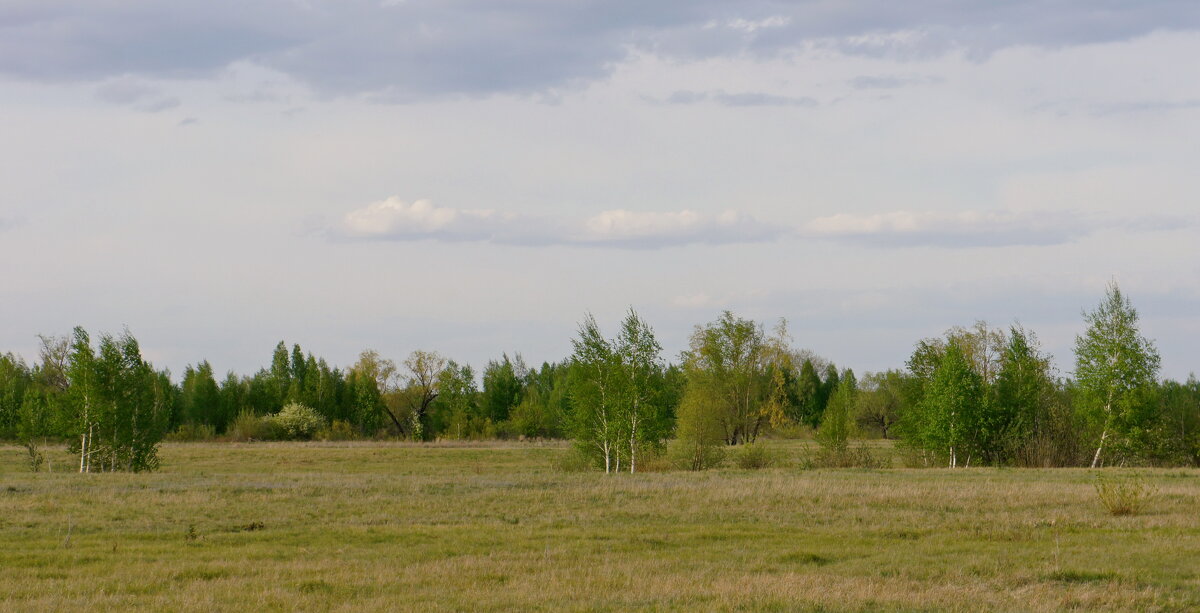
(385, 526)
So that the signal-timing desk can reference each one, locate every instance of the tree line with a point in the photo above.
(976, 395)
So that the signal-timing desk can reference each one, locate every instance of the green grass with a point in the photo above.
(379, 526)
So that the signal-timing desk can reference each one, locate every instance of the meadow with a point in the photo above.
(502, 526)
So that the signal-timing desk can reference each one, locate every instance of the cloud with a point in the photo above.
(412, 50)
(739, 99)
(972, 228)
(890, 81)
(142, 96)
(396, 220)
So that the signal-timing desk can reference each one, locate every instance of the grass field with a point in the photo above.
(379, 526)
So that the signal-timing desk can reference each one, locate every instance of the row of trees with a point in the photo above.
(976, 395)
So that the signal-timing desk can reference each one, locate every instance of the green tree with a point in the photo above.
(881, 401)
(951, 408)
(595, 393)
(502, 387)
(837, 422)
(1116, 369)
(1021, 398)
(732, 363)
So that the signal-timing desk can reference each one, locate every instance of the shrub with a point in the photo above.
(1123, 496)
(690, 454)
(848, 457)
(754, 456)
(35, 459)
(298, 422)
(192, 432)
(339, 430)
(250, 427)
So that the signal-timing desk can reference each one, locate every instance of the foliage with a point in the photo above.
(1123, 495)
(699, 435)
(617, 392)
(118, 406)
(298, 422)
(754, 456)
(192, 432)
(837, 424)
(247, 427)
(1116, 370)
(736, 367)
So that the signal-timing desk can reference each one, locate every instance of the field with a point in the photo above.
(389, 526)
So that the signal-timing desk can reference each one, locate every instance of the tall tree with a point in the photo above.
(639, 366)
(421, 377)
(1116, 369)
(596, 424)
(952, 406)
(731, 361)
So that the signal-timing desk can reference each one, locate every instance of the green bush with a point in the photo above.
(1123, 496)
(298, 422)
(753, 456)
(339, 430)
(192, 432)
(248, 427)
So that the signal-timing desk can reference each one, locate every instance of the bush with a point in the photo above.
(298, 422)
(339, 430)
(1123, 496)
(849, 457)
(753, 456)
(192, 432)
(35, 458)
(248, 427)
(688, 454)
(575, 460)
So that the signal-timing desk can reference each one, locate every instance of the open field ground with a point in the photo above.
(379, 526)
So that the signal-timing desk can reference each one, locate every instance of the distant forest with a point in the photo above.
(977, 395)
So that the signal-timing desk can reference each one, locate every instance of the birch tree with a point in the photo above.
(594, 393)
(1116, 370)
(639, 368)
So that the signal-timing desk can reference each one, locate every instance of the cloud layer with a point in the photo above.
(396, 220)
(419, 48)
(967, 229)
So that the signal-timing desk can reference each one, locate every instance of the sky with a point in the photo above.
(474, 176)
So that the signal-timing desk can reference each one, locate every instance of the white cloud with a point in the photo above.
(751, 26)
(394, 219)
(397, 220)
(970, 228)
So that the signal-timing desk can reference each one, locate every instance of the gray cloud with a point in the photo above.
(890, 81)
(411, 50)
(127, 91)
(738, 99)
(969, 229)
(396, 220)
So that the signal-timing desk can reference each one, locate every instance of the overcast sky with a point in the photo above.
(472, 176)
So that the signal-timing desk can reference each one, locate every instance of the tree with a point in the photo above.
(595, 394)
(120, 404)
(640, 376)
(1022, 393)
(455, 411)
(951, 408)
(1116, 369)
(837, 423)
(201, 397)
(881, 401)
(502, 387)
(421, 387)
(373, 377)
(808, 395)
(731, 363)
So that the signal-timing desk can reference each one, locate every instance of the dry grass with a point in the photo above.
(381, 526)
